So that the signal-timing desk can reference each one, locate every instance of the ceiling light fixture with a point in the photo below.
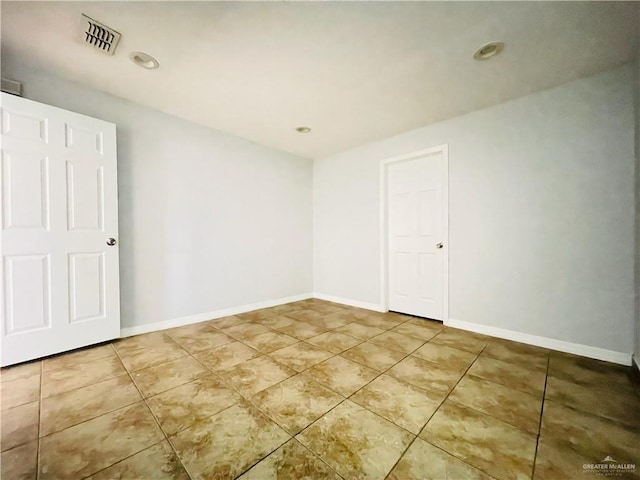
(144, 60)
(488, 50)
(303, 129)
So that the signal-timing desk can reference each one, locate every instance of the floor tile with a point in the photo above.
(296, 402)
(23, 370)
(291, 461)
(341, 375)
(270, 341)
(63, 380)
(226, 355)
(373, 356)
(484, 442)
(146, 351)
(138, 342)
(518, 353)
(204, 341)
(19, 425)
(381, 320)
(590, 372)
(306, 315)
(403, 317)
(358, 330)
(589, 434)
(227, 444)
(277, 322)
(83, 355)
(246, 331)
(181, 407)
(255, 375)
(91, 446)
(19, 391)
(421, 329)
(405, 405)
(158, 462)
(302, 330)
(257, 315)
(457, 359)
(427, 375)
(334, 342)
(518, 408)
(283, 309)
(355, 388)
(510, 375)
(189, 332)
(425, 462)
(334, 320)
(20, 463)
(397, 341)
(556, 461)
(76, 406)
(229, 321)
(461, 340)
(349, 315)
(159, 378)
(328, 308)
(300, 356)
(619, 405)
(356, 442)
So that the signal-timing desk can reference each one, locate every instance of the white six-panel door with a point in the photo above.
(59, 280)
(417, 222)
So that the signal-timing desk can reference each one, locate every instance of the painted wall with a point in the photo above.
(541, 214)
(208, 221)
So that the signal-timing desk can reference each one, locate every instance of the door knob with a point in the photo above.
(111, 242)
(439, 245)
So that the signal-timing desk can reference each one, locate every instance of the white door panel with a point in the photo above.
(416, 226)
(60, 280)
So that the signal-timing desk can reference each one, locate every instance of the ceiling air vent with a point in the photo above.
(100, 36)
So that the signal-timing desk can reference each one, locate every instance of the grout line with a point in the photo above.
(544, 394)
(364, 386)
(123, 459)
(436, 411)
(155, 419)
(247, 400)
(315, 455)
(491, 477)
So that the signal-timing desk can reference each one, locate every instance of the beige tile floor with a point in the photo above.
(316, 390)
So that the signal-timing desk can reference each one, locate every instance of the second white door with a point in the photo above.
(417, 235)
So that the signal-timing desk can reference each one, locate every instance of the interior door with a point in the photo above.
(60, 284)
(417, 222)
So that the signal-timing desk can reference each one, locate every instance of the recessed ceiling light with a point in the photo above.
(144, 60)
(488, 50)
(303, 129)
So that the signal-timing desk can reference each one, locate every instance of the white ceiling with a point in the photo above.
(353, 71)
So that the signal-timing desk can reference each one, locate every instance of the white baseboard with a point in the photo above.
(551, 343)
(635, 362)
(347, 301)
(201, 317)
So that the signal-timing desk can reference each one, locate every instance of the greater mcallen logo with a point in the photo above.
(609, 467)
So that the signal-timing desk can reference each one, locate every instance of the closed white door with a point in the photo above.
(417, 223)
(60, 285)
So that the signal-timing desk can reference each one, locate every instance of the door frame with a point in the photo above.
(384, 222)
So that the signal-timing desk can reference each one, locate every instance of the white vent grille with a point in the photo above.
(100, 36)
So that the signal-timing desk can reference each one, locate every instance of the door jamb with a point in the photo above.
(384, 226)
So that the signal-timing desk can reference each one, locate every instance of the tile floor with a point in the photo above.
(319, 391)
